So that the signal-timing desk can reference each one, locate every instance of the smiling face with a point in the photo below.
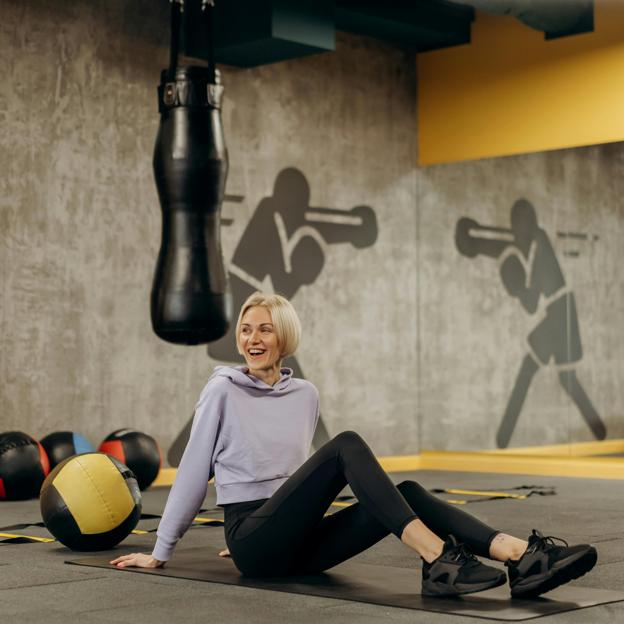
(257, 340)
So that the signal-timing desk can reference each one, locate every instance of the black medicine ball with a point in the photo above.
(23, 466)
(90, 502)
(138, 451)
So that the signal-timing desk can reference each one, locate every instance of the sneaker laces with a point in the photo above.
(464, 555)
(544, 541)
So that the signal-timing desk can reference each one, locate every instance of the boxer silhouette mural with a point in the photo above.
(530, 272)
(282, 249)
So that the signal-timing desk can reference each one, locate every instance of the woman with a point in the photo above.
(252, 430)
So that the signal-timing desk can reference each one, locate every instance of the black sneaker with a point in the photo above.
(545, 565)
(457, 571)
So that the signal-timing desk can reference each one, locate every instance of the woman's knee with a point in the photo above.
(348, 436)
(348, 440)
(412, 490)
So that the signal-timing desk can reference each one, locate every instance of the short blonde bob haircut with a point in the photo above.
(286, 323)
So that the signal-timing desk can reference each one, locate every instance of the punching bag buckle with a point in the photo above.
(214, 93)
(169, 94)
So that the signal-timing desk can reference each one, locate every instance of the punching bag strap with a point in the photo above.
(208, 12)
(180, 91)
(168, 95)
(214, 90)
(177, 7)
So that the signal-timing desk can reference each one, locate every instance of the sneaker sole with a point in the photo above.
(563, 572)
(457, 590)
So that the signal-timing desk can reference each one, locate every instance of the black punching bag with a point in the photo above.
(191, 302)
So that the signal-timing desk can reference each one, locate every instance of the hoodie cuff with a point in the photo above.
(162, 552)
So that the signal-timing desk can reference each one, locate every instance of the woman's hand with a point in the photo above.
(137, 560)
(225, 553)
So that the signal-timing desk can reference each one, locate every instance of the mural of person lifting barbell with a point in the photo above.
(530, 272)
(282, 249)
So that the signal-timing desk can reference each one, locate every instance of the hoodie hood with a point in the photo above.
(240, 376)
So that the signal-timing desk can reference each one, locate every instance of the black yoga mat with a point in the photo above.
(376, 584)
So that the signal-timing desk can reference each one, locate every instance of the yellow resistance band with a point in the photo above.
(28, 537)
(491, 493)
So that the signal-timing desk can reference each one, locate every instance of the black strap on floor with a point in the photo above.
(7, 537)
(482, 495)
(524, 492)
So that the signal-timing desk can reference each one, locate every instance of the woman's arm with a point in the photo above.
(191, 483)
(194, 472)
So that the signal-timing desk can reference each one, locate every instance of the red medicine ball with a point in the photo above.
(138, 451)
(23, 466)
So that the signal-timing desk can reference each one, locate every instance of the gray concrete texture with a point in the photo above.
(35, 582)
(409, 343)
(468, 319)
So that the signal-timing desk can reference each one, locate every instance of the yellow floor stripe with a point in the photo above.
(401, 463)
(165, 477)
(575, 449)
(547, 466)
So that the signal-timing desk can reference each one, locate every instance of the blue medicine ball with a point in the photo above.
(61, 445)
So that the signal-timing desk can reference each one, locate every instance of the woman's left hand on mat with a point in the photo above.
(225, 553)
(137, 560)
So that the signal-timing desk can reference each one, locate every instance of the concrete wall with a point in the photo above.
(409, 342)
(81, 222)
(474, 334)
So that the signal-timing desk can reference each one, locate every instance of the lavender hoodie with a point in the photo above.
(250, 436)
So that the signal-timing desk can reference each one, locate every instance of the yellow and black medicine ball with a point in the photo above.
(90, 502)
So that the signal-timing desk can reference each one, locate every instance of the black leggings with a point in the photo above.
(290, 534)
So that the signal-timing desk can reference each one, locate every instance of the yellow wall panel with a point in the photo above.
(510, 91)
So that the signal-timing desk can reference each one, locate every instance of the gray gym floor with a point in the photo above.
(36, 585)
